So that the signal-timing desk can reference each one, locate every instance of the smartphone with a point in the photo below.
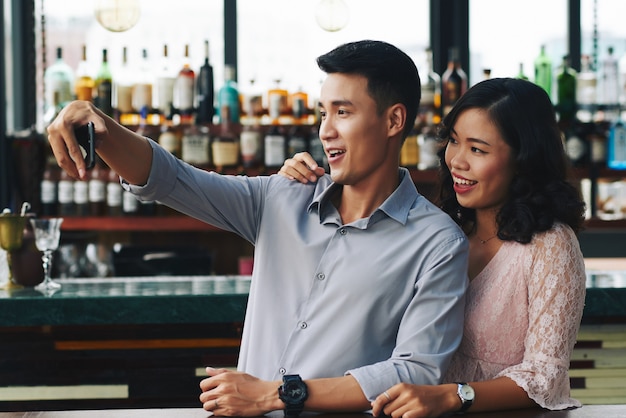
(86, 136)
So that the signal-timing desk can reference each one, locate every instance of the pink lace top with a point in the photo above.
(522, 317)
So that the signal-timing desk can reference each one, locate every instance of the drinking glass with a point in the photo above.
(11, 235)
(47, 235)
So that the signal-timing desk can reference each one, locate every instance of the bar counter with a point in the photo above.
(131, 300)
(590, 411)
(143, 342)
(206, 299)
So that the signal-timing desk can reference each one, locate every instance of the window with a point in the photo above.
(277, 39)
(501, 38)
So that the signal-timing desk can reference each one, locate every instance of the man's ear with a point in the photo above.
(397, 119)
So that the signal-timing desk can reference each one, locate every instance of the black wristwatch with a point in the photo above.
(293, 392)
(467, 395)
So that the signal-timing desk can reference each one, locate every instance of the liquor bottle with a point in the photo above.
(609, 79)
(65, 194)
(228, 95)
(428, 147)
(566, 94)
(576, 143)
(104, 86)
(277, 103)
(299, 105)
(48, 191)
(114, 194)
(84, 84)
(250, 144)
(521, 74)
(123, 93)
(58, 79)
(170, 138)
(543, 71)
(195, 145)
(616, 149)
(453, 81)
(430, 103)
(225, 146)
(81, 197)
(316, 148)
(297, 136)
(184, 90)
(586, 90)
(130, 204)
(98, 180)
(163, 94)
(142, 88)
(409, 153)
(205, 90)
(252, 104)
(275, 146)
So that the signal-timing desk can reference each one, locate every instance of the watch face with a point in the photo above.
(467, 392)
(294, 391)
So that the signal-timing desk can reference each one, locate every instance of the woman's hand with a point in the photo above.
(417, 401)
(302, 167)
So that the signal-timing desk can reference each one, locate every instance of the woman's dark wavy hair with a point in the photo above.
(540, 192)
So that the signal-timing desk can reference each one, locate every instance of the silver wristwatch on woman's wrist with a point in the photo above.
(466, 394)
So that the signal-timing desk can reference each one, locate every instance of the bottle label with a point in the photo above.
(225, 153)
(250, 144)
(195, 149)
(169, 141)
(183, 93)
(81, 194)
(123, 98)
(66, 191)
(142, 96)
(48, 191)
(97, 190)
(130, 204)
(163, 98)
(428, 147)
(274, 150)
(114, 194)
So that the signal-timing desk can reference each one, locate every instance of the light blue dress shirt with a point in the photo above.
(381, 298)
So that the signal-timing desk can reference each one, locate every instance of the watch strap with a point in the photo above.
(465, 403)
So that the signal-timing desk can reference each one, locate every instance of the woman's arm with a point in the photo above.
(422, 401)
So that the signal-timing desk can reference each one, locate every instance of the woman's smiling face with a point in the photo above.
(479, 160)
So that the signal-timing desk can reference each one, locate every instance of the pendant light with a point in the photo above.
(332, 15)
(117, 15)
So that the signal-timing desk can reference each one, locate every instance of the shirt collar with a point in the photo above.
(397, 206)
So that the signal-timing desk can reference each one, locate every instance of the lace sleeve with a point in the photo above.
(556, 297)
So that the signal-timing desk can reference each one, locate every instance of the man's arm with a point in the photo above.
(127, 153)
(228, 393)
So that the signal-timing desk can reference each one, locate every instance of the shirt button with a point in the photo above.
(343, 231)
(321, 276)
(303, 325)
(282, 370)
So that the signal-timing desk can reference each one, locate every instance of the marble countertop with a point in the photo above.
(217, 299)
(130, 300)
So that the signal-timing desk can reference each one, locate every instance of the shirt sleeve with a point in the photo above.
(556, 296)
(431, 328)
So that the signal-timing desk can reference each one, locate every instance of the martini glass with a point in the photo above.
(11, 235)
(47, 234)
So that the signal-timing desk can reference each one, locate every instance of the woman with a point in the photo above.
(504, 180)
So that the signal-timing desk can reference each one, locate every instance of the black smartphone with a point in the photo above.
(86, 136)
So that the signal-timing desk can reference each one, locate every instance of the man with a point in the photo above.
(358, 280)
